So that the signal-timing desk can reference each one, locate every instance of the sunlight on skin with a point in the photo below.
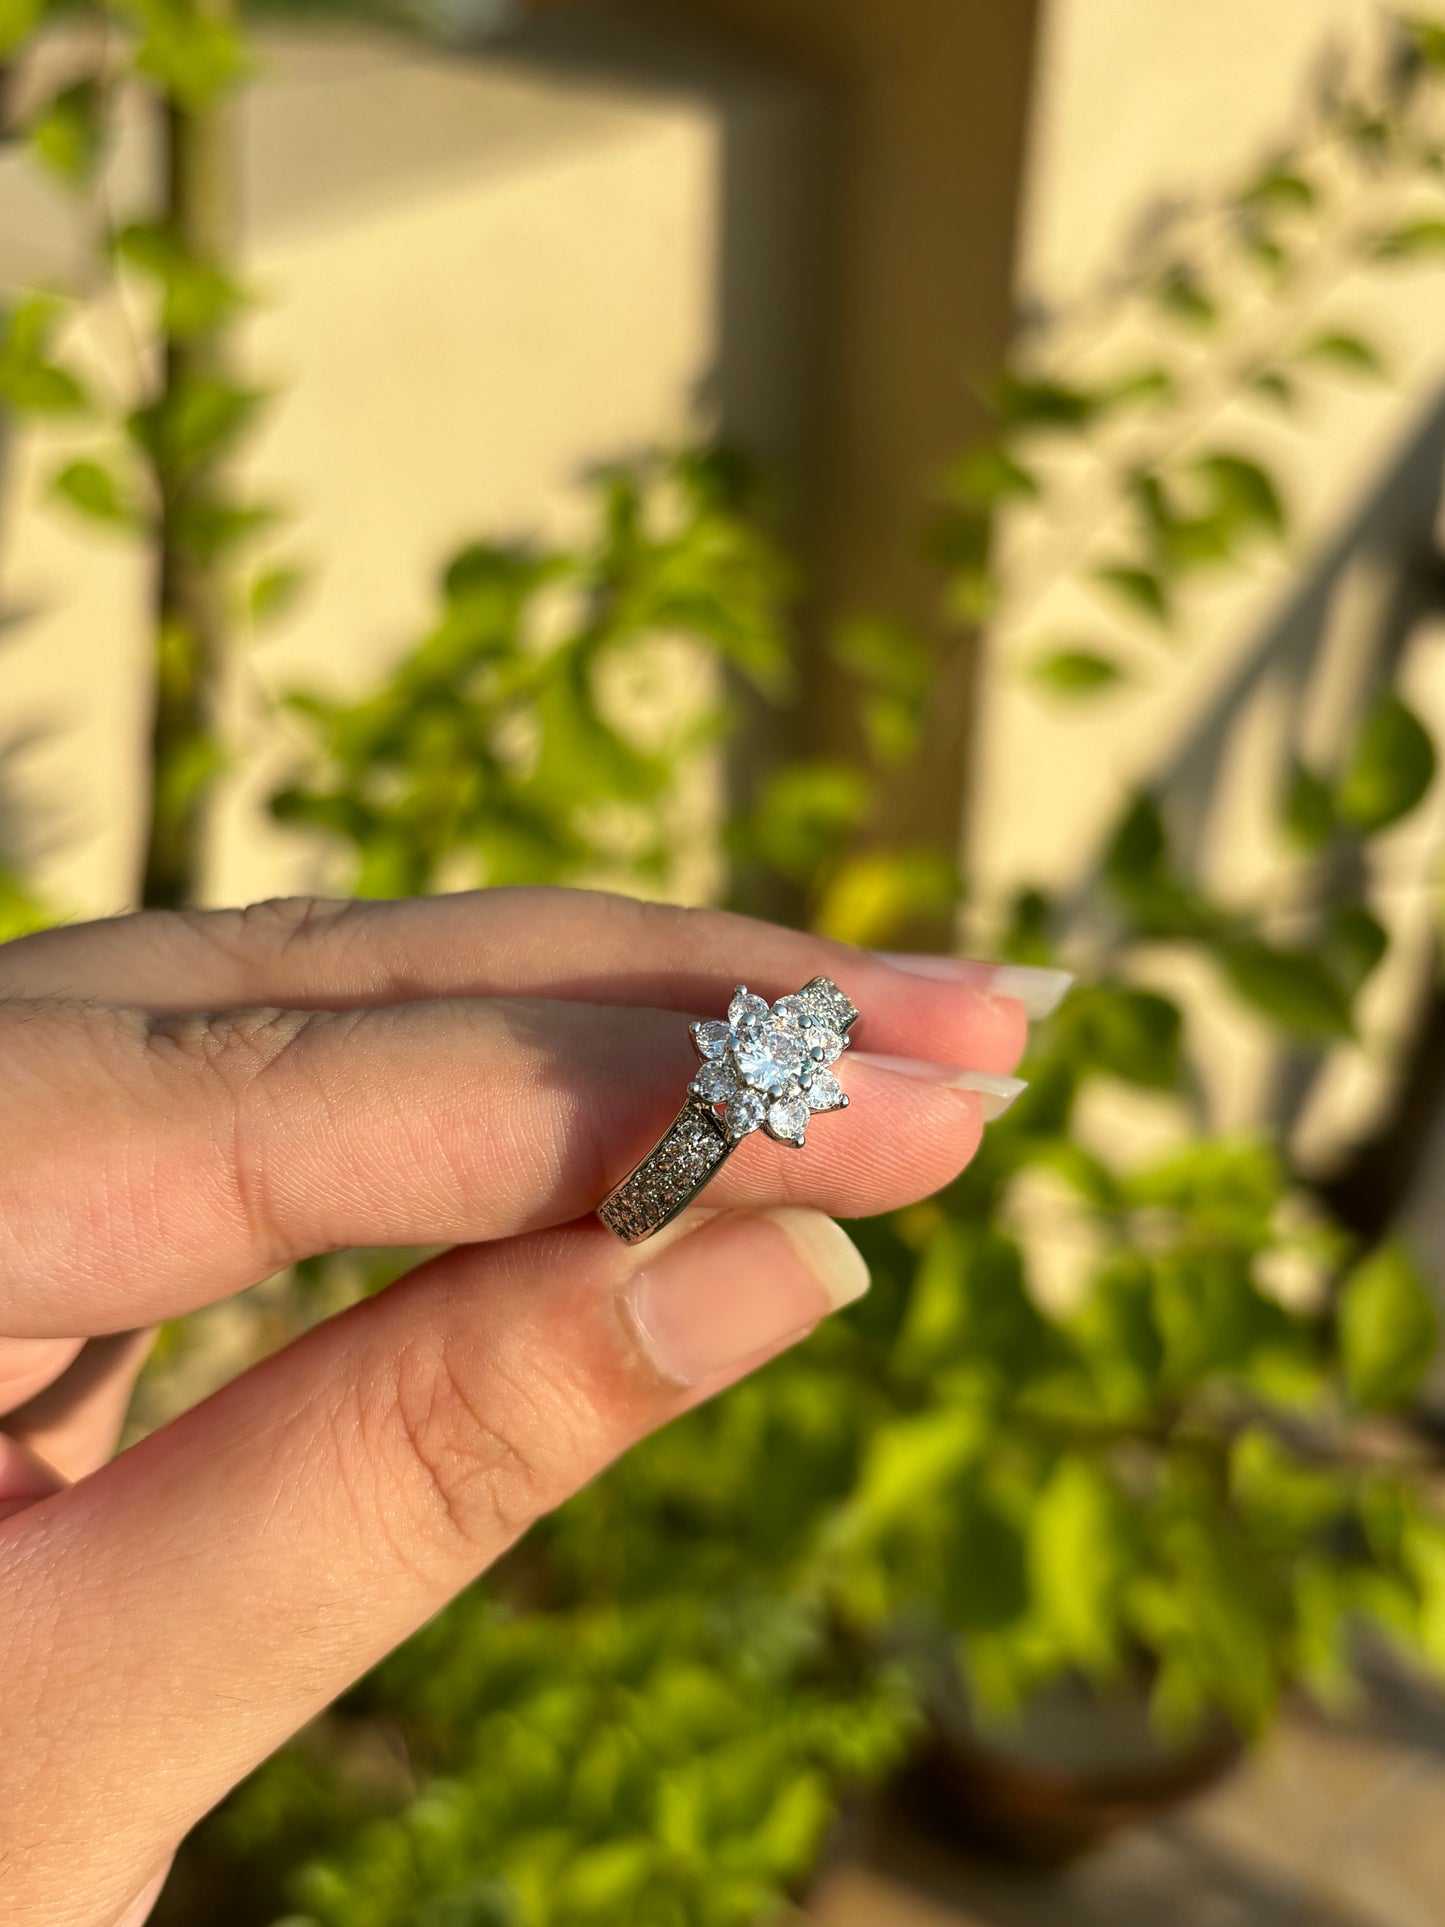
(472, 1070)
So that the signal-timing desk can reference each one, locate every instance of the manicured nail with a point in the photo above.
(740, 1288)
(996, 1090)
(1039, 991)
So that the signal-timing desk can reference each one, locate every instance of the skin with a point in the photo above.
(190, 1102)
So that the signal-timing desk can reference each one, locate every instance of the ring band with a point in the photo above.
(765, 1067)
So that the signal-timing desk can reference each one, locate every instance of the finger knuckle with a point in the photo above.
(655, 923)
(235, 1047)
(253, 1062)
(271, 928)
(476, 1453)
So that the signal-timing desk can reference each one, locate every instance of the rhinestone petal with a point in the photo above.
(712, 1038)
(824, 1046)
(745, 1006)
(716, 1080)
(744, 1113)
(789, 1118)
(825, 1093)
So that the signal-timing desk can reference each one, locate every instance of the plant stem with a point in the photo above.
(190, 603)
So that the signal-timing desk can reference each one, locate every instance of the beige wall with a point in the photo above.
(926, 104)
(481, 279)
(1138, 104)
(485, 276)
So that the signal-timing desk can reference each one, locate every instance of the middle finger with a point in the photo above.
(149, 1165)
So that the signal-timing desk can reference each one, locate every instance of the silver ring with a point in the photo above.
(764, 1067)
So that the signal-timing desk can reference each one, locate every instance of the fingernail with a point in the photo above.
(1040, 991)
(996, 1090)
(739, 1288)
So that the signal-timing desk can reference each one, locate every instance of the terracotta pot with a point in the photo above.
(1081, 1764)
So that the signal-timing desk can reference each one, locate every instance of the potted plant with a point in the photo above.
(1188, 1482)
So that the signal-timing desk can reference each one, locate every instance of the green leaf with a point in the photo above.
(892, 725)
(1140, 874)
(1350, 353)
(41, 389)
(18, 20)
(1290, 987)
(1282, 1495)
(888, 655)
(1180, 541)
(1084, 1173)
(1182, 294)
(193, 56)
(96, 491)
(21, 912)
(877, 893)
(1039, 401)
(1274, 387)
(1280, 189)
(1139, 848)
(1027, 932)
(1388, 1328)
(29, 378)
(67, 135)
(971, 1307)
(1119, 1334)
(1225, 1189)
(1213, 1318)
(1074, 673)
(1082, 1548)
(194, 423)
(1244, 493)
(1141, 589)
(1215, 1606)
(985, 1581)
(1144, 386)
(805, 812)
(1355, 942)
(1263, 248)
(958, 541)
(907, 1459)
(187, 771)
(274, 591)
(990, 474)
(598, 1883)
(209, 528)
(1307, 811)
(1132, 1034)
(1412, 240)
(1429, 38)
(198, 298)
(1390, 769)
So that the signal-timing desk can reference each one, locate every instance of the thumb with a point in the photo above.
(228, 1576)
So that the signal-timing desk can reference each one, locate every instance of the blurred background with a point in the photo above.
(951, 474)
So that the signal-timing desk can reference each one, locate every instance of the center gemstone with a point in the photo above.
(767, 1066)
(770, 1054)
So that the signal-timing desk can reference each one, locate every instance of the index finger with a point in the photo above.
(582, 946)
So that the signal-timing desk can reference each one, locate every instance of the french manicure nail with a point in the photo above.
(1040, 991)
(740, 1287)
(996, 1090)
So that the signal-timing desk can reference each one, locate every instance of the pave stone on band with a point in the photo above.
(763, 1068)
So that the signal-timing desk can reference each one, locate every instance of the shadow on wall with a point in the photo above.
(768, 273)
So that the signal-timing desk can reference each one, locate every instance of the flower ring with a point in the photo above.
(765, 1067)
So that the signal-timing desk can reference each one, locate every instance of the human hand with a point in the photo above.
(473, 1071)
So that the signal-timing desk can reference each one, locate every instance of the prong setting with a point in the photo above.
(765, 1067)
